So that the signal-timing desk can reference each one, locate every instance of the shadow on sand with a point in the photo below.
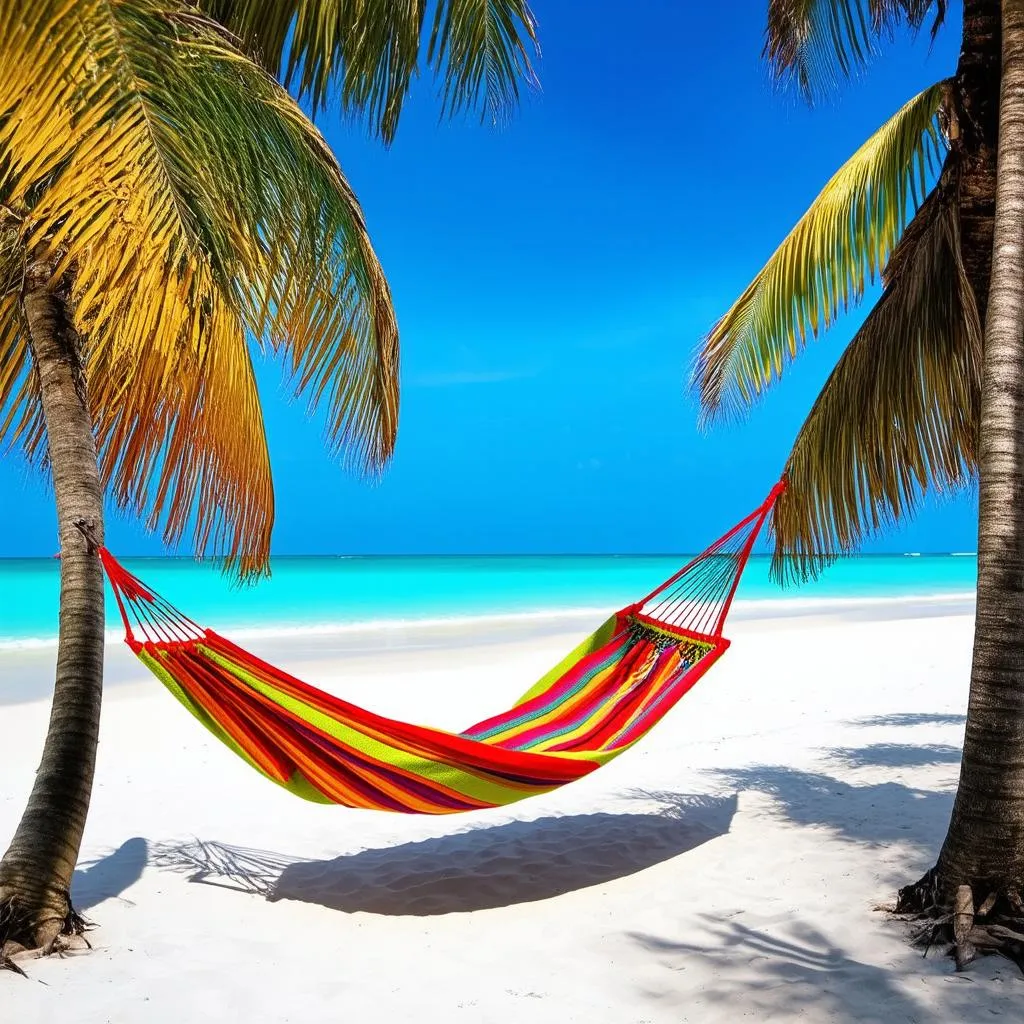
(875, 810)
(896, 755)
(910, 718)
(484, 868)
(787, 969)
(109, 876)
(786, 966)
(875, 813)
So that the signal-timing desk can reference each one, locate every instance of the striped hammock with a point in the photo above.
(596, 703)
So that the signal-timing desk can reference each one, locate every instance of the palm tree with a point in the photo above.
(928, 394)
(982, 859)
(164, 206)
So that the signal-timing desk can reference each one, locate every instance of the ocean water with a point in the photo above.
(320, 594)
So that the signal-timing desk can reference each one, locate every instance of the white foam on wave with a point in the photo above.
(455, 622)
(36, 643)
(273, 630)
(747, 608)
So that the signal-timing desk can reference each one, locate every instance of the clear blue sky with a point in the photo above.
(552, 279)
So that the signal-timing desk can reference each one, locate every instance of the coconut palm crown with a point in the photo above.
(193, 214)
(899, 414)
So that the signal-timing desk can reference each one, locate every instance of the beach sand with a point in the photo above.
(727, 868)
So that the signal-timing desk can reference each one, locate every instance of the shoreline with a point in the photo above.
(336, 653)
(565, 617)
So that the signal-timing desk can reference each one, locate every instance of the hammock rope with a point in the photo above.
(596, 703)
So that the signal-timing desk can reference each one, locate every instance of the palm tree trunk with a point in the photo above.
(986, 838)
(35, 873)
(976, 105)
(983, 853)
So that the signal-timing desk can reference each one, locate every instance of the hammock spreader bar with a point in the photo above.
(597, 702)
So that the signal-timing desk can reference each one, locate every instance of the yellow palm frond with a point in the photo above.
(817, 43)
(187, 205)
(17, 386)
(899, 415)
(11, 261)
(479, 49)
(826, 261)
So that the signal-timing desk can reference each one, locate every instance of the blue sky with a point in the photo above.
(552, 279)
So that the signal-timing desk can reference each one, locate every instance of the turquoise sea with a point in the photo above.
(318, 594)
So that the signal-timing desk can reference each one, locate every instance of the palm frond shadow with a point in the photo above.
(208, 862)
(910, 718)
(785, 967)
(803, 947)
(479, 869)
(896, 755)
(788, 965)
(871, 812)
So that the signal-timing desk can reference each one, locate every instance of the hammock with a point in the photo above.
(596, 703)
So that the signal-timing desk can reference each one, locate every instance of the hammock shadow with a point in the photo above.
(482, 869)
(109, 876)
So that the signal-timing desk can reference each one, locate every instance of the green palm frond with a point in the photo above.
(899, 415)
(189, 206)
(479, 49)
(817, 43)
(824, 264)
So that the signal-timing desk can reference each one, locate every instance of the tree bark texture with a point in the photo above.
(976, 105)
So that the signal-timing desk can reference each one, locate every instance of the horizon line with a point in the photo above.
(509, 554)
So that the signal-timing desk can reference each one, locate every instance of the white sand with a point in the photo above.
(726, 869)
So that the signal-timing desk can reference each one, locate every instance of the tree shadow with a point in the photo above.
(789, 969)
(481, 869)
(897, 755)
(867, 812)
(810, 950)
(109, 876)
(910, 719)
(874, 813)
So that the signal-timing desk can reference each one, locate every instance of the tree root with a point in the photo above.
(966, 929)
(22, 931)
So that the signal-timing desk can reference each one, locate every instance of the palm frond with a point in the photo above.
(899, 415)
(480, 50)
(11, 258)
(189, 205)
(18, 390)
(824, 264)
(818, 43)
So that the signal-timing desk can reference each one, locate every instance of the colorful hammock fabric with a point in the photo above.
(599, 701)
